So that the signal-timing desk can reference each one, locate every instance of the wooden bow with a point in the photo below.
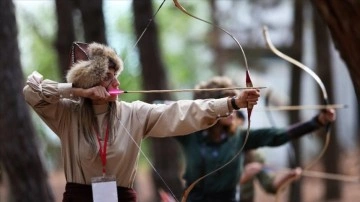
(319, 82)
(249, 108)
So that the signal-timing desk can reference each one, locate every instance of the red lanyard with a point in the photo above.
(102, 149)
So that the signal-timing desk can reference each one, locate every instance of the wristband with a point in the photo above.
(233, 103)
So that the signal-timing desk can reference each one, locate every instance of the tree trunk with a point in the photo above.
(19, 156)
(342, 18)
(219, 62)
(65, 34)
(92, 25)
(165, 150)
(297, 46)
(93, 20)
(324, 70)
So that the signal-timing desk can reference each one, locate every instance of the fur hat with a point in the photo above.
(90, 63)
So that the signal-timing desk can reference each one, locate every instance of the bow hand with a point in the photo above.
(327, 116)
(248, 98)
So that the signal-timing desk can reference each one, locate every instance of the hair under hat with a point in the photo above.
(90, 63)
(215, 82)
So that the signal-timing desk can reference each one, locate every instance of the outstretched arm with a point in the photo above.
(322, 119)
(279, 136)
(250, 171)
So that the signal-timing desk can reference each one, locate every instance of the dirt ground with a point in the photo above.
(312, 192)
(312, 189)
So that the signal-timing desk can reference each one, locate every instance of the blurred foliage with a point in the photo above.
(36, 38)
(183, 39)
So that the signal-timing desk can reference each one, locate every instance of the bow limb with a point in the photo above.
(249, 108)
(248, 78)
(312, 74)
(319, 82)
(297, 63)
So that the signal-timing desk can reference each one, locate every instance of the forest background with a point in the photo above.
(177, 52)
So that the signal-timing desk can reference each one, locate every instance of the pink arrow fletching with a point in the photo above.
(115, 92)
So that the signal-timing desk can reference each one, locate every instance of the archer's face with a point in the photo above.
(110, 82)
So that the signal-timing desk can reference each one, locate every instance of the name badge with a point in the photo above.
(104, 189)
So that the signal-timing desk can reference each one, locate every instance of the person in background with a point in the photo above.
(208, 149)
(255, 169)
(101, 135)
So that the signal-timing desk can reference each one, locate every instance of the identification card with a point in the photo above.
(104, 189)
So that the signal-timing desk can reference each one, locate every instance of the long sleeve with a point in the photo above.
(279, 136)
(298, 130)
(180, 117)
(46, 97)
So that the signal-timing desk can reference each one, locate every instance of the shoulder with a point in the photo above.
(137, 108)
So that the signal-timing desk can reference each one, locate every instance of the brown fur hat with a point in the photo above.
(215, 82)
(90, 63)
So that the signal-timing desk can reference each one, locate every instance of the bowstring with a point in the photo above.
(146, 28)
(148, 160)
(127, 132)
